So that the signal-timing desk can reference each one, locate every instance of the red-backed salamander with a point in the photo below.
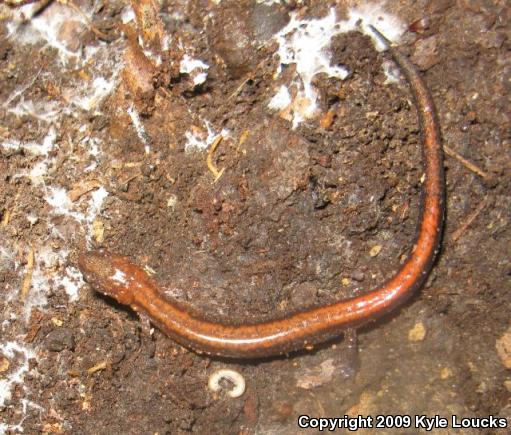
(117, 277)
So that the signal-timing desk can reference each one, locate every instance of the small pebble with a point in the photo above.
(4, 364)
(417, 333)
(420, 25)
(57, 322)
(60, 339)
(503, 346)
(316, 376)
(358, 275)
(327, 120)
(375, 250)
(445, 373)
(282, 410)
(70, 34)
(426, 53)
(98, 231)
(172, 201)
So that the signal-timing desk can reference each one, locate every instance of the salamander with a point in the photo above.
(117, 277)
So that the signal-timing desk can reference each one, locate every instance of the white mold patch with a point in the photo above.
(29, 25)
(71, 281)
(281, 99)
(366, 14)
(42, 148)
(47, 274)
(139, 128)
(87, 75)
(18, 356)
(195, 68)
(195, 141)
(45, 111)
(94, 94)
(58, 199)
(127, 15)
(95, 203)
(306, 44)
(50, 272)
(199, 140)
(60, 26)
(391, 72)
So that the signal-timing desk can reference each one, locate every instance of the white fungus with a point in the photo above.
(281, 99)
(139, 127)
(18, 355)
(306, 44)
(197, 141)
(196, 68)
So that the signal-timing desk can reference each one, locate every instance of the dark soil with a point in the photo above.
(299, 218)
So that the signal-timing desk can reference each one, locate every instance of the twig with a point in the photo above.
(469, 219)
(6, 218)
(469, 165)
(209, 160)
(248, 77)
(238, 89)
(98, 367)
(17, 3)
(82, 188)
(27, 280)
(244, 136)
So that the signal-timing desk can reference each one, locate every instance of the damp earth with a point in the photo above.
(250, 185)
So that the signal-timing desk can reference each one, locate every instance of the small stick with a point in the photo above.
(248, 77)
(82, 188)
(469, 219)
(17, 3)
(238, 89)
(209, 160)
(6, 218)
(244, 136)
(98, 367)
(27, 280)
(469, 165)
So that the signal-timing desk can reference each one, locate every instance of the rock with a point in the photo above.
(266, 20)
(417, 333)
(503, 346)
(245, 26)
(358, 275)
(70, 33)
(426, 54)
(60, 339)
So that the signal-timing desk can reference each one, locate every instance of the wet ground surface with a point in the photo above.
(105, 144)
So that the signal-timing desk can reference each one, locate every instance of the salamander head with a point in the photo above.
(112, 275)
